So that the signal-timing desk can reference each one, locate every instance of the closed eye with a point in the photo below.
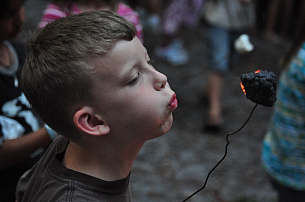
(135, 80)
(150, 62)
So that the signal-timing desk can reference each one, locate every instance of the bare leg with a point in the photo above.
(301, 17)
(286, 19)
(214, 89)
(272, 14)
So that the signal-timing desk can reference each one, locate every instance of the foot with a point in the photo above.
(273, 38)
(174, 53)
(214, 123)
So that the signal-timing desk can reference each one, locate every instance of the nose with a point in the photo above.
(160, 81)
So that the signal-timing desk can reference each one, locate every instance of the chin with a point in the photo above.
(166, 125)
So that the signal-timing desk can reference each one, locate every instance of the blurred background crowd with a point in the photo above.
(192, 42)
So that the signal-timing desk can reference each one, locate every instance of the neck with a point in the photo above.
(103, 161)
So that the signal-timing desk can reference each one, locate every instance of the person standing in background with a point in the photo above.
(63, 8)
(23, 138)
(177, 15)
(226, 21)
(283, 152)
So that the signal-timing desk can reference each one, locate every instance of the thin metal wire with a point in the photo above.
(224, 156)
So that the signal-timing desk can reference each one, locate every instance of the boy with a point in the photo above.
(91, 80)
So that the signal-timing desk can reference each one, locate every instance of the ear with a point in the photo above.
(90, 123)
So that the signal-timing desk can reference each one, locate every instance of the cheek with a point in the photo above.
(138, 106)
(148, 113)
(142, 110)
(147, 103)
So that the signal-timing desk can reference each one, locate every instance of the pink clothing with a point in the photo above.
(54, 12)
(131, 15)
(181, 12)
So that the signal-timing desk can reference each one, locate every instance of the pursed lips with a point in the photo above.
(173, 102)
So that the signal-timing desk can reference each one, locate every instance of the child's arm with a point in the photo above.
(17, 150)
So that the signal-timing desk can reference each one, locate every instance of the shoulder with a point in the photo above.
(39, 175)
(56, 183)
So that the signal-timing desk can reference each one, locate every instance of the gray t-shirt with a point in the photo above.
(50, 181)
(232, 14)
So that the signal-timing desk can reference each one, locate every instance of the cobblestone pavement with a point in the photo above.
(174, 166)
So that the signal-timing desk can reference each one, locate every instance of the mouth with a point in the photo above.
(173, 102)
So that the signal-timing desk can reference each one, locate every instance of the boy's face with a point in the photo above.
(133, 98)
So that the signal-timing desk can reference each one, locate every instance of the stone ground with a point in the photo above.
(174, 166)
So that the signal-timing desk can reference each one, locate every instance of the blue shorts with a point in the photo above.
(221, 53)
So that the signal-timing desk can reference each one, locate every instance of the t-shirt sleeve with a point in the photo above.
(23, 183)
